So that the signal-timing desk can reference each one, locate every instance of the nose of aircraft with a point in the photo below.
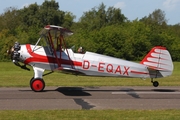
(14, 52)
(16, 55)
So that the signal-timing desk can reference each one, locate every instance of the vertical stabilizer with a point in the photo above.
(159, 60)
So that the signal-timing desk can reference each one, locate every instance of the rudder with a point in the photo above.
(159, 60)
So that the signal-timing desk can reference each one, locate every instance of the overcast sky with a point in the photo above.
(132, 9)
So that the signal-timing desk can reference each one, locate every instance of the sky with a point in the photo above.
(132, 9)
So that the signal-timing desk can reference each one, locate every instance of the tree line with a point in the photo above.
(102, 30)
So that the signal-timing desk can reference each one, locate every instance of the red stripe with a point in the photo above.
(152, 51)
(156, 68)
(137, 72)
(40, 58)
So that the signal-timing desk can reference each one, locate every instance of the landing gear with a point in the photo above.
(37, 84)
(155, 83)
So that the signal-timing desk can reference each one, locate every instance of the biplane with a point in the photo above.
(50, 53)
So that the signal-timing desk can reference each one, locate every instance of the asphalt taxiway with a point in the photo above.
(63, 98)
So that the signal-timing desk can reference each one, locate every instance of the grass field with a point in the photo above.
(12, 76)
(91, 115)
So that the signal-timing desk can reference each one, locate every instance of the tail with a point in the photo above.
(159, 62)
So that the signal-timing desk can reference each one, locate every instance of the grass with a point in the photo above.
(91, 115)
(12, 76)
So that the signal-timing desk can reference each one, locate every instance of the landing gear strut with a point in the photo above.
(155, 83)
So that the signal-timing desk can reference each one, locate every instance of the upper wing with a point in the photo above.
(53, 28)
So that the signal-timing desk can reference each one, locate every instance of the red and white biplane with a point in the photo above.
(50, 53)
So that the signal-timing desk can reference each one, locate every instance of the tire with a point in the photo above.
(37, 84)
(155, 84)
(31, 80)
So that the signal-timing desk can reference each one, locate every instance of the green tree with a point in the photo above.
(68, 20)
(7, 39)
(157, 17)
(49, 13)
(10, 19)
(29, 16)
(98, 17)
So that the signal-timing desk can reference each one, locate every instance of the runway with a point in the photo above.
(77, 98)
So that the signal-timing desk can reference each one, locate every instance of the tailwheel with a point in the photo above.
(155, 83)
(37, 84)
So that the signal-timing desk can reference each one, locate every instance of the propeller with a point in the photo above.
(13, 51)
(15, 55)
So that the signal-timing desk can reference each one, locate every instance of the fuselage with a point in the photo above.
(89, 63)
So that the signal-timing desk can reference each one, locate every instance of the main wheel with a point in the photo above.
(37, 84)
(155, 83)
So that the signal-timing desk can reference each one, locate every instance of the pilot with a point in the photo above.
(80, 50)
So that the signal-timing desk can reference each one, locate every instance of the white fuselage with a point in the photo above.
(157, 63)
(89, 63)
